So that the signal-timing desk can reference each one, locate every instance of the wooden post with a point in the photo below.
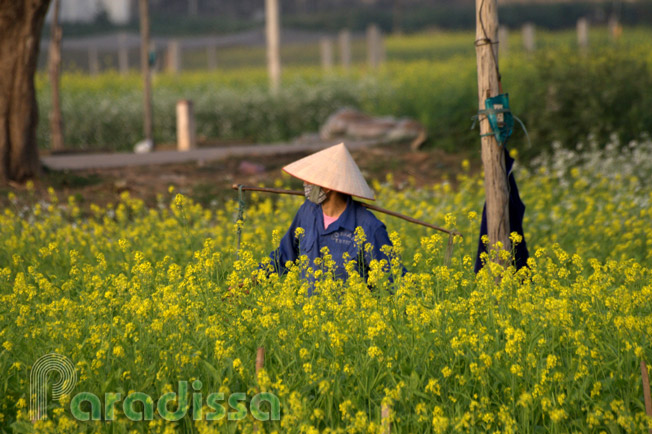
(345, 49)
(529, 35)
(93, 60)
(503, 40)
(123, 54)
(273, 44)
(144, 66)
(185, 126)
(54, 67)
(493, 159)
(646, 391)
(373, 58)
(260, 359)
(583, 35)
(326, 51)
(173, 58)
(211, 57)
(615, 29)
(384, 419)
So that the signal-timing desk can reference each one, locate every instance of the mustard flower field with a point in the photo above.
(138, 299)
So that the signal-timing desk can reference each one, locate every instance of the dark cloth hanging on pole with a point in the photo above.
(516, 213)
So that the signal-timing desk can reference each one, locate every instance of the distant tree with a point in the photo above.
(20, 23)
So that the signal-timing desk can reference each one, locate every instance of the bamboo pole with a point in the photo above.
(145, 70)
(366, 205)
(493, 158)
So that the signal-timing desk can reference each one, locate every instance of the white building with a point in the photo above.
(86, 11)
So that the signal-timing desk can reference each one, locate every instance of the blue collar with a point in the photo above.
(346, 220)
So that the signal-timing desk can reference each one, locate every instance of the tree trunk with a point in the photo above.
(54, 67)
(21, 23)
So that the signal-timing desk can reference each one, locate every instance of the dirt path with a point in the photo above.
(209, 181)
(127, 159)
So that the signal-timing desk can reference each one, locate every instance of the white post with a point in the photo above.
(583, 34)
(173, 56)
(185, 126)
(326, 51)
(503, 40)
(345, 49)
(529, 42)
(373, 51)
(273, 44)
(123, 54)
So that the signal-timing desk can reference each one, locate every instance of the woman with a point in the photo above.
(329, 216)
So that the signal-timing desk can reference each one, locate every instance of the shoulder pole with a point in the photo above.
(366, 205)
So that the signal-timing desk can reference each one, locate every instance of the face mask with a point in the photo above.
(314, 193)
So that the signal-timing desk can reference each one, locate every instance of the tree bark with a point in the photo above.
(21, 23)
(54, 67)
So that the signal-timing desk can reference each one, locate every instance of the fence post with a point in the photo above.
(186, 138)
(529, 37)
(373, 46)
(615, 29)
(326, 51)
(345, 49)
(123, 54)
(503, 40)
(384, 419)
(583, 34)
(173, 56)
(273, 33)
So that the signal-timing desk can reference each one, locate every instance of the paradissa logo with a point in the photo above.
(145, 410)
(138, 406)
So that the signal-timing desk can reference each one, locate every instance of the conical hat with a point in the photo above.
(332, 168)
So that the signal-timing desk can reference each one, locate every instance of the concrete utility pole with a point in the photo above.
(144, 67)
(273, 44)
(583, 35)
(54, 60)
(326, 51)
(123, 54)
(493, 159)
(345, 48)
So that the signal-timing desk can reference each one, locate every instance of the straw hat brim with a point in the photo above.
(332, 168)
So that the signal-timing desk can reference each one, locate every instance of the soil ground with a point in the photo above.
(210, 181)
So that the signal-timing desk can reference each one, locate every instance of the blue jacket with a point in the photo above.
(339, 237)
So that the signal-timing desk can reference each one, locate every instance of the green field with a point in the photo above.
(560, 95)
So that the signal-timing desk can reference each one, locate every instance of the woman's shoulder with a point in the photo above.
(306, 210)
(366, 218)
